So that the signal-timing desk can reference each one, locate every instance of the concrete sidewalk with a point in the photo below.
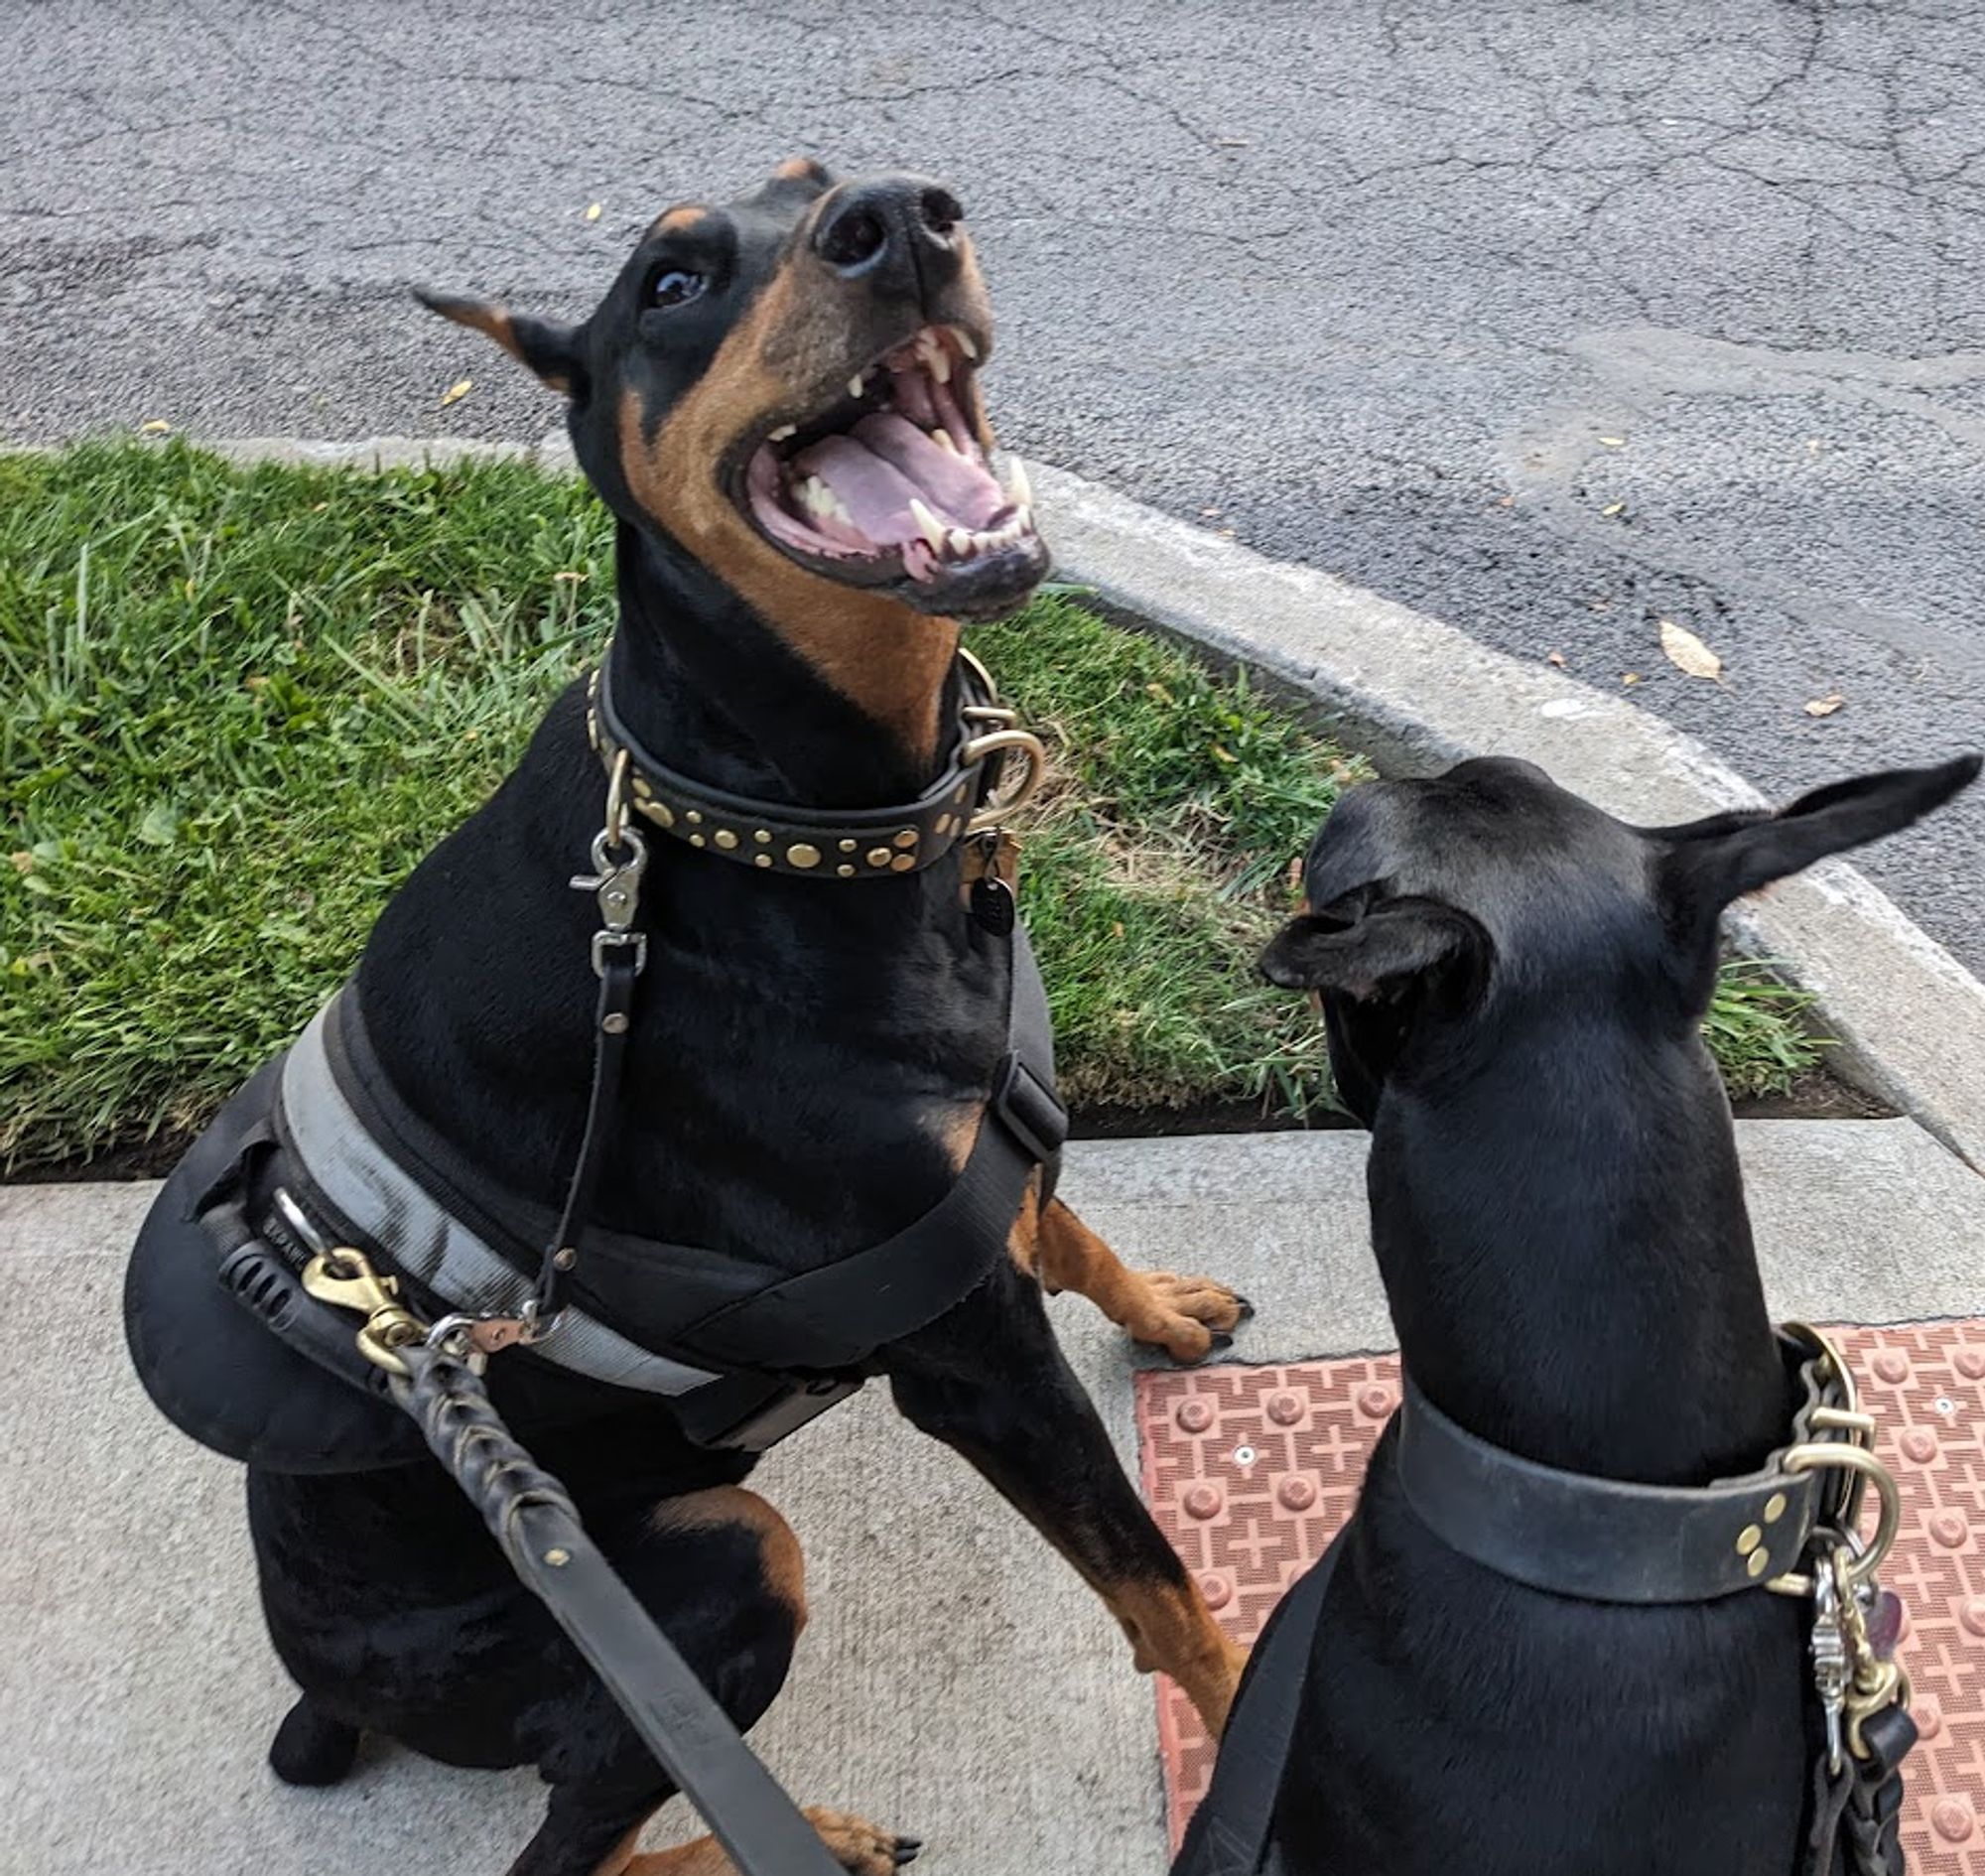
(956, 1681)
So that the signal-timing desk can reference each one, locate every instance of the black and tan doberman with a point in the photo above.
(778, 399)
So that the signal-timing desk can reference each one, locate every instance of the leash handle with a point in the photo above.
(534, 1519)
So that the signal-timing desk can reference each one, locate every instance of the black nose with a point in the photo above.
(901, 229)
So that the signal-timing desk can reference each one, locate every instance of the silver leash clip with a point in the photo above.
(617, 887)
(1829, 1662)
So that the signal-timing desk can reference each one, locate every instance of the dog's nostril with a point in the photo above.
(941, 211)
(855, 238)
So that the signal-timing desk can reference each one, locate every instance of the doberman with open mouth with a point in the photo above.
(779, 401)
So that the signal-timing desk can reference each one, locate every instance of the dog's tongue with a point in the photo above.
(886, 460)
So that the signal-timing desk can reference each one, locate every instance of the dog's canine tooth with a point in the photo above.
(965, 343)
(931, 527)
(782, 433)
(854, 384)
(1017, 484)
(942, 438)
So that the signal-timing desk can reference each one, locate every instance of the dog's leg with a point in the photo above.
(990, 1379)
(856, 1845)
(311, 1747)
(1179, 1314)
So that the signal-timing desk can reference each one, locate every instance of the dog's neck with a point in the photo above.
(716, 691)
(1560, 1220)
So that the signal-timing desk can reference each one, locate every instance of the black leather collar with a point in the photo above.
(1611, 1541)
(826, 844)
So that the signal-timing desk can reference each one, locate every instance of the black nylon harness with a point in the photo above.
(1603, 1540)
(316, 1169)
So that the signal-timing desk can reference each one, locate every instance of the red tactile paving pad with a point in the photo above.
(1250, 1471)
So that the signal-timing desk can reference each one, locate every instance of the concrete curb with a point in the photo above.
(1417, 695)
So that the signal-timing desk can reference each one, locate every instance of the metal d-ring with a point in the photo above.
(995, 742)
(1819, 1455)
(977, 666)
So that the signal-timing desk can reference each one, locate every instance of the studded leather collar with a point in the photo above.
(830, 844)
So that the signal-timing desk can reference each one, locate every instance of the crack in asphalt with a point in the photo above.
(1371, 280)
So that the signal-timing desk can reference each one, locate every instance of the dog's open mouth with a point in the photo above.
(890, 486)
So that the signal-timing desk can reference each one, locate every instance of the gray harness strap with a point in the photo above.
(373, 1194)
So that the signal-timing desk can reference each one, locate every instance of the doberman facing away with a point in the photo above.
(1513, 983)
(778, 400)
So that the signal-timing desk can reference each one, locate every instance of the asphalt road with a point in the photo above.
(1376, 283)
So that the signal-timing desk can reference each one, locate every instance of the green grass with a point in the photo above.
(238, 705)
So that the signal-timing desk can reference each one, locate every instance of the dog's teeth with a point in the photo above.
(930, 526)
(1017, 484)
(1024, 520)
(965, 343)
(782, 433)
(940, 362)
(822, 500)
(961, 542)
(942, 438)
(855, 385)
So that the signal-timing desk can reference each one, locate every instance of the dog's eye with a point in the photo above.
(677, 286)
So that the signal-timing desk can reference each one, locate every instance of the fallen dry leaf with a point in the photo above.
(155, 426)
(593, 212)
(1686, 652)
(1618, 508)
(23, 861)
(456, 391)
(1614, 443)
(1631, 677)
(1825, 706)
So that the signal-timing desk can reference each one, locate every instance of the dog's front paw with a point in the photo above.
(1189, 1317)
(858, 1845)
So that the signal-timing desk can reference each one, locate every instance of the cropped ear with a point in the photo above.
(549, 347)
(1359, 944)
(1710, 862)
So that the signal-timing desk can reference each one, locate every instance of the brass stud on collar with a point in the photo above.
(1748, 1538)
(847, 872)
(762, 834)
(696, 840)
(564, 1257)
(802, 855)
(660, 813)
(1758, 1564)
(761, 860)
(848, 846)
(725, 838)
(1774, 1508)
(641, 788)
(693, 818)
(877, 855)
(942, 826)
(902, 863)
(907, 838)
